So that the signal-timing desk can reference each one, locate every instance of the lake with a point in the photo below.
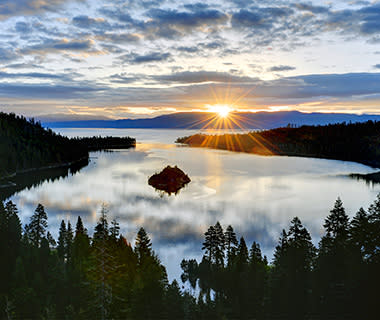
(257, 195)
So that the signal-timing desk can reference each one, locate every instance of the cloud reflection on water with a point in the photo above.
(257, 195)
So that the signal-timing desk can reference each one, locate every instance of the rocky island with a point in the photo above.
(169, 180)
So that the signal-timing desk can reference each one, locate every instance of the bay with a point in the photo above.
(257, 195)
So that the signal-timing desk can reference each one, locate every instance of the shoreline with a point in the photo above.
(36, 169)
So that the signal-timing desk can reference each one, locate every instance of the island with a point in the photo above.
(169, 180)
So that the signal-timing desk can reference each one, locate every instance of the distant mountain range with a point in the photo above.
(236, 120)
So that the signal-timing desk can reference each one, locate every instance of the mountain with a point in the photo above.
(199, 120)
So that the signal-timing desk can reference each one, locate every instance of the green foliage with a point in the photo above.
(36, 228)
(26, 145)
(106, 278)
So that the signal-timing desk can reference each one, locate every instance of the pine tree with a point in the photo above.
(210, 243)
(61, 247)
(255, 254)
(115, 229)
(336, 224)
(242, 254)
(51, 240)
(37, 225)
(143, 244)
(101, 230)
(80, 229)
(220, 245)
(231, 243)
(69, 242)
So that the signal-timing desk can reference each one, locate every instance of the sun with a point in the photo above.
(223, 110)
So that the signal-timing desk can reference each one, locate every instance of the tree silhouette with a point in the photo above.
(36, 228)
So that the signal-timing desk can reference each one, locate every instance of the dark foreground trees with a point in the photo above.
(105, 277)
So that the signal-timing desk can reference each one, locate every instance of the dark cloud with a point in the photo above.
(281, 68)
(196, 6)
(86, 22)
(312, 8)
(122, 78)
(135, 58)
(188, 19)
(36, 75)
(47, 91)
(203, 76)
(7, 55)
(52, 45)
(118, 38)
(263, 17)
(10, 8)
(377, 66)
(23, 66)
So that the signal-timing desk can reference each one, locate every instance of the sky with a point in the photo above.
(95, 59)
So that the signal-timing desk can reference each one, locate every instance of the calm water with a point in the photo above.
(257, 195)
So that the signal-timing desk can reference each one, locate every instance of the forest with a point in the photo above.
(359, 142)
(26, 145)
(104, 276)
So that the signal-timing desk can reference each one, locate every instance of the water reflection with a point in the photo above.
(257, 195)
(35, 178)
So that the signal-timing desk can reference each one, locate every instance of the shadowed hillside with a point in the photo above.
(357, 142)
(26, 146)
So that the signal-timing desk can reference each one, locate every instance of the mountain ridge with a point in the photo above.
(209, 120)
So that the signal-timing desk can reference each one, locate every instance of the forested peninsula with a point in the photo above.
(26, 146)
(103, 276)
(359, 142)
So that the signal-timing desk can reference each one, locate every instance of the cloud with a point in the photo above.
(86, 22)
(135, 58)
(47, 91)
(118, 38)
(377, 66)
(36, 75)
(7, 55)
(263, 17)
(203, 76)
(53, 45)
(122, 78)
(281, 68)
(312, 8)
(188, 19)
(10, 8)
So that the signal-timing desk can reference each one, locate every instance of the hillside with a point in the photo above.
(26, 145)
(359, 142)
(199, 120)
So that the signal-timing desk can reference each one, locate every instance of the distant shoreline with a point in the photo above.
(357, 142)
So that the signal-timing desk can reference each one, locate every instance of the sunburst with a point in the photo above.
(223, 110)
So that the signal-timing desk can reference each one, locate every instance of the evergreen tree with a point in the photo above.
(79, 228)
(242, 254)
(220, 245)
(61, 246)
(143, 244)
(231, 243)
(115, 229)
(51, 240)
(37, 225)
(210, 243)
(69, 242)
(255, 254)
(336, 224)
(334, 264)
